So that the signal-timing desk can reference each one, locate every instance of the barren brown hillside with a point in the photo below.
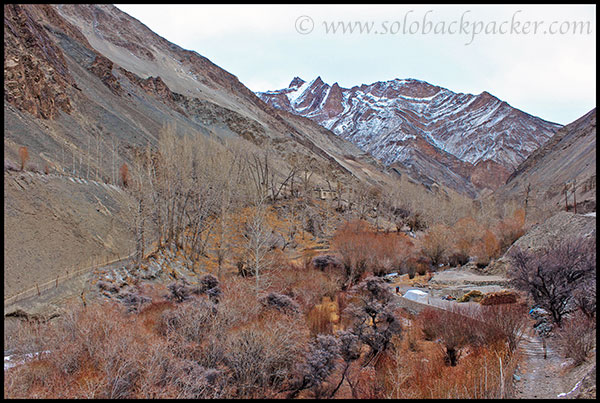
(568, 157)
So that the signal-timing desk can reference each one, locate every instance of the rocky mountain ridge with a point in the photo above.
(419, 125)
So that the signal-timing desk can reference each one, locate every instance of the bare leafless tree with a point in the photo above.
(553, 274)
(257, 243)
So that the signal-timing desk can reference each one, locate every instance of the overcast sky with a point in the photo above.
(552, 76)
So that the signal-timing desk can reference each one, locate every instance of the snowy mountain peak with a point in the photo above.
(484, 137)
(296, 82)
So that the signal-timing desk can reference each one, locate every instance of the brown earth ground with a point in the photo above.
(53, 224)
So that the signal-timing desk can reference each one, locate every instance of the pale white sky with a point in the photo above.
(552, 76)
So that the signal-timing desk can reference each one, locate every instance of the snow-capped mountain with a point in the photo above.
(478, 137)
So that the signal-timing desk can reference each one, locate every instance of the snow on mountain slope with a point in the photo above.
(481, 131)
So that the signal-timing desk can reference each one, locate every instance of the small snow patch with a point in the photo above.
(9, 362)
(571, 391)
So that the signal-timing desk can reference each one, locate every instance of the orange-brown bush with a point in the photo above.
(305, 284)
(349, 242)
(194, 349)
(417, 369)
(124, 174)
(436, 244)
(422, 374)
(97, 345)
(486, 248)
(319, 321)
(465, 233)
(24, 156)
(456, 329)
(364, 250)
(507, 322)
(471, 237)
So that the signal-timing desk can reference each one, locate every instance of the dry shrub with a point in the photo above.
(508, 322)
(194, 349)
(97, 345)
(576, 338)
(366, 385)
(477, 376)
(349, 242)
(322, 318)
(261, 355)
(207, 285)
(151, 314)
(473, 237)
(23, 156)
(426, 318)
(554, 276)
(281, 302)
(191, 319)
(422, 265)
(458, 259)
(364, 250)
(412, 335)
(436, 244)
(324, 262)
(466, 232)
(38, 379)
(388, 252)
(420, 373)
(101, 352)
(416, 222)
(124, 174)
(455, 329)
(486, 248)
(305, 284)
(408, 373)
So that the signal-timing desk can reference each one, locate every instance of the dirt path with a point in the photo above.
(540, 378)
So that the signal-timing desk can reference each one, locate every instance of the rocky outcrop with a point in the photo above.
(102, 67)
(36, 77)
